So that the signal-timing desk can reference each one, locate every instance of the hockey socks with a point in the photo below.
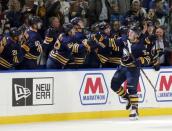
(121, 92)
(134, 107)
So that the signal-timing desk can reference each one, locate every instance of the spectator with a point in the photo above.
(151, 15)
(146, 4)
(4, 4)
(136, 13)
(79, 8)
(160, 44)
(30, 7)
(41, 10)
(99, 10)
(2, 21)
(65, 8)
(161, 11)
(116, 13)
(54, 10)
(124, 5)
(13, 14)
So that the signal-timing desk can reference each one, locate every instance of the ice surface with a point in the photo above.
(160, 123)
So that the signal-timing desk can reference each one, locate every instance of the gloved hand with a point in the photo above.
(137, 62)
(156, 64)
(98, 37)
(156, 68)
(157, 53)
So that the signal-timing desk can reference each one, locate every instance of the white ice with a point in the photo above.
(161, 123)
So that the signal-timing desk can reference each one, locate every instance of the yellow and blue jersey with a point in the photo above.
(32, 47)
(12, 53)
(138, 51)
(62, 49)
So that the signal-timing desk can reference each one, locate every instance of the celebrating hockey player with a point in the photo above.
(32, 47)
(132, 58)
(10, 50)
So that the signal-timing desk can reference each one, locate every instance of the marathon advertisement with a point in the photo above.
(32, 91)
(140, 89)
(93, 90)
(164, 87)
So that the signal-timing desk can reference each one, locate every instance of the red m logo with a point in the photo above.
(93, 86)
(164, 84)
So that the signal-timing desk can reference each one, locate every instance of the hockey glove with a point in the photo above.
(137, 62)
(156, 64)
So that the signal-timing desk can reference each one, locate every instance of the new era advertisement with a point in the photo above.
(93, 89)
(32, 91)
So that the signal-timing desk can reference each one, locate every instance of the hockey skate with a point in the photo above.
(134, 112)
(127, 99)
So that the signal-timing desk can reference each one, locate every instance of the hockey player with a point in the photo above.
(51, 36)
(79, 27)
(102, 41)
(132, 58)
(80, 51)
(32, 47)
(92, 60)
(62, 51)
(107, 51)
(10, 50)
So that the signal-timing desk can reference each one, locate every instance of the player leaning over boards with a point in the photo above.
(133, 56)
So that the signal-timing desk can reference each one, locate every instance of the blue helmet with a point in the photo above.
(75, 20)
(34, 20)
(136, 29)
(14, 32)
(103, 25)
(67, 27)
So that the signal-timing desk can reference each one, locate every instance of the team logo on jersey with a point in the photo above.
(126, 55)
(93, 90)
(164, 87)
(32, 91)
(140, 89)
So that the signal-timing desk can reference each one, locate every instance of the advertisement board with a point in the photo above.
(69, 91)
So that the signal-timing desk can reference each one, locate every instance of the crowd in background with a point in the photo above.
(55, 45)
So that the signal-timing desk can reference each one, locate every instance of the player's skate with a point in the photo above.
(134, 112)
(127, 99)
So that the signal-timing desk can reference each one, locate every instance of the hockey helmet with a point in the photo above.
(103, 25)
(67, 27)
(136, 29)
(35, 20)
(75, 20)
(123, 30)
(14, 32)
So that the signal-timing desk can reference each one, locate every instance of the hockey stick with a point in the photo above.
(129, 47)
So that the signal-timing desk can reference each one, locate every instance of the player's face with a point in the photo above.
(81, 24)
(56, 23)
(72, 31)
(107, 31)
(132, 35)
